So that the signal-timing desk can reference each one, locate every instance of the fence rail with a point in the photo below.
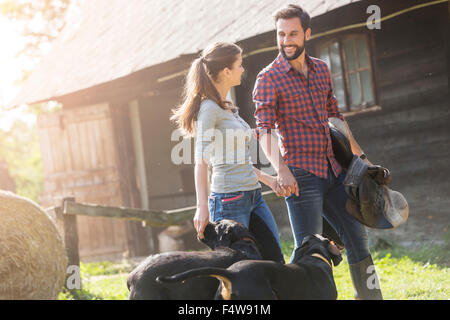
(153, 218)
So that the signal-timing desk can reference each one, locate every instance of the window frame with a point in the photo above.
(345, 72)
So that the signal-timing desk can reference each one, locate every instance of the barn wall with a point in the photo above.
(409, 135)
(86, 155)
(170, 186)
(138, 237)
(79, 160)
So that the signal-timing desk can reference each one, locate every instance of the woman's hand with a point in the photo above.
(201, 219)
(273, 184)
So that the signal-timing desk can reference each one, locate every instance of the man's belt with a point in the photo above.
(369, 201)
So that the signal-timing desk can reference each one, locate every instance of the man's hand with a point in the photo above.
(287, 183)
(272, 182)
(381, 175)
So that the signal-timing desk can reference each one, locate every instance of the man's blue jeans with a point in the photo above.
(325, 197)
(239, 205)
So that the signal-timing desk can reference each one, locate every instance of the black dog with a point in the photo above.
(231, 242)
(310, 276)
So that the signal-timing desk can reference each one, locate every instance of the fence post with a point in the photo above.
(68, 224)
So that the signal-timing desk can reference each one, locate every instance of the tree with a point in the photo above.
(40, 21)
(19, 147)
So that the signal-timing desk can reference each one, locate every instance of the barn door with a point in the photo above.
(80, 159)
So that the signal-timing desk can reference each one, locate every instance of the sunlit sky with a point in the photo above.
(11, 67)
(11, 42)
(10, 71)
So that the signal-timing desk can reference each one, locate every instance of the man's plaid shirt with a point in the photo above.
(299, 109)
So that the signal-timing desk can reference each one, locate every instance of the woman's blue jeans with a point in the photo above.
(325, 197)
(238, 206)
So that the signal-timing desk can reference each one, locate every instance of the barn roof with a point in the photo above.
(111, 39)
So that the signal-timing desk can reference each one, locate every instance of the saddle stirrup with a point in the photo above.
(365, 280)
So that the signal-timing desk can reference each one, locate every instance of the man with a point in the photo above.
(294, 95)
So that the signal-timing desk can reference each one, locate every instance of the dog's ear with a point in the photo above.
(223, 233)
(331, 234)
(335, 253)
(209, 229)
(209, 235)
(307, 239)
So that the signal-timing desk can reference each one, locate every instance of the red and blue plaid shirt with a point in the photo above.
(298, 108)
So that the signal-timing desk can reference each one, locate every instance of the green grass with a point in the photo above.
(101, 281)
(401, 277)
(405, 274)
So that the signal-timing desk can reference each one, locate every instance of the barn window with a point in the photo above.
(349, 61)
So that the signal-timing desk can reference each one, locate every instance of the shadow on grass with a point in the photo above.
(438, 254)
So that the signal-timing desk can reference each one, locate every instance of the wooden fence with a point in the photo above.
(65, 217)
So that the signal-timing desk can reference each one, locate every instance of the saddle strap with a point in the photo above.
(355, 172)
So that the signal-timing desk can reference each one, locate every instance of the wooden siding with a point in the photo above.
(170, 186)
(79, 160)
(138, 237)
(410, 135)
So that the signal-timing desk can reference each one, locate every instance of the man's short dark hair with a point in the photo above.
(292, 11)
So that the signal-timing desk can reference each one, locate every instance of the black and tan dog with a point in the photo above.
(230, 242)
(310, 276)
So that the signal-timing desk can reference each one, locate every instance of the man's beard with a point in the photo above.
(296, 54)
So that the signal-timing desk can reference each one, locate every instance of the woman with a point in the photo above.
(206, 114)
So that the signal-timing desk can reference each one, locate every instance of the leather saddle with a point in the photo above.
(370, 201)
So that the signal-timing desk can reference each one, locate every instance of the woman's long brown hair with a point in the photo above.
(199, 85)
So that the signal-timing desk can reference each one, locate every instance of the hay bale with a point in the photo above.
(33, 260)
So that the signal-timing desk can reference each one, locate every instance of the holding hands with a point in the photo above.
(286, 183)
(283, 185)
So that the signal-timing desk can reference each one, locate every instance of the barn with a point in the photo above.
(117, 70)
